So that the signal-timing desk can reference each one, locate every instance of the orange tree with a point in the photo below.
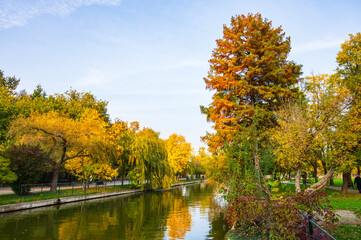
(249, 73)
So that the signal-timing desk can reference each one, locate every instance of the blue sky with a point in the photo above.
(148, 57)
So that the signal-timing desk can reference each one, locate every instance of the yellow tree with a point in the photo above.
(179, 152)
(349, 71)
(293, 146)
(61, 137)
(199, 163)
(319, 126)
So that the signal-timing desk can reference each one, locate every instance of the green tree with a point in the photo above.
(6, 175)
(10, 82)
(150, 159)
(28, 162)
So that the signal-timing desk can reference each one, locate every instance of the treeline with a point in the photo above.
(72, 133)
(269, 120)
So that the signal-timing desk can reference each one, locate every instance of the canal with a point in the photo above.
(187, 212)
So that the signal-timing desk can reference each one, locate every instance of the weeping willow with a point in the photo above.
(150, 158)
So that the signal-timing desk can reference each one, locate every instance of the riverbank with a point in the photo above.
(64, 200)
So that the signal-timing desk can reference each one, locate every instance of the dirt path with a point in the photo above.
(347, 217)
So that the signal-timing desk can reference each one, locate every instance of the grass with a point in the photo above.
(351, 201)
(346, 232)
(12, 198)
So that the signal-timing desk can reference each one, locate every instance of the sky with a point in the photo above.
(148, 58)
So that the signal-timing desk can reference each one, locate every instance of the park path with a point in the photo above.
(350, 190)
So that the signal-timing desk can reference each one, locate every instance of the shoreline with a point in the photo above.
(65, 200)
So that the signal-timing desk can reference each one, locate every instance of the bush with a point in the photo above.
(28, 162)
(277, 218)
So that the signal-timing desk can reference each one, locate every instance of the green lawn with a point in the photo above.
(12, 198)
(346, 232)
(351, 201)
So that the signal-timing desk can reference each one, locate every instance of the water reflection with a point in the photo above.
(190, 212)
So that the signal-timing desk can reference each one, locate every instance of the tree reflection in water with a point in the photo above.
(152, 215)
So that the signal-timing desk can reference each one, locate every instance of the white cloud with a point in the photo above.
(19, 12)
(317, 45)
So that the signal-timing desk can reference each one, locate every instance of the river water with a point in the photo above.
(187, 212)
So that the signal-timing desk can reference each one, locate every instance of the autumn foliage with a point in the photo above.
(248, 69)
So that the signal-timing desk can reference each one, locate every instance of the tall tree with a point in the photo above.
(349, 72)
(150, 159)
(317, 131)
(248, 68)
(251, 77)
(179, 152)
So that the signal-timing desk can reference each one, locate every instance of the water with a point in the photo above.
(188, 212)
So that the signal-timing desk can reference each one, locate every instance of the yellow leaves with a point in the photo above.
(292, 137)
(179, 152)
(62, 137)
(104, 171)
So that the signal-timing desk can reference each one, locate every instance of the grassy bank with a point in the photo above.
(36, 196)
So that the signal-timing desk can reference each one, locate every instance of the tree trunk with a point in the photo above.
(323, 181)
(298, 178)
(256, 165)
(349, 182)
(315, 173)
(331, 182)
(283, 175)
(358, 170)
(84, 185)
(54, 180)
(123, 176)
(345, 179)
(304, 178)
